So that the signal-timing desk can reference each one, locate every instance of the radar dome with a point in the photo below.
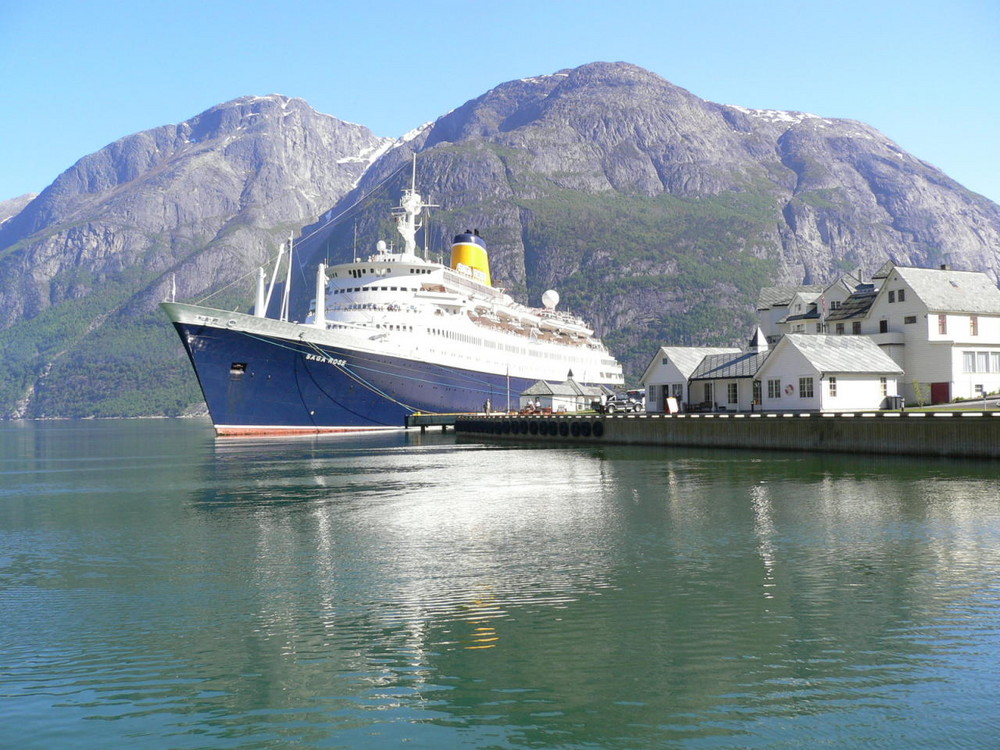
(550, 299)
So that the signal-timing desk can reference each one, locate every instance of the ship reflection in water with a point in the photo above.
(376, 589)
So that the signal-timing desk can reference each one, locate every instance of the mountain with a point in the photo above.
(194, 206)
(13, 206)
(656, 214)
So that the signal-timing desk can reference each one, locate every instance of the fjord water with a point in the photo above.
(160, 588)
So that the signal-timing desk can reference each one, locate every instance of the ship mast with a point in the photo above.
(407, 212)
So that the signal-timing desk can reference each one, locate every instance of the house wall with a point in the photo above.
(768, 319)
(929, 356)
(966, 380)
(720, 393)
(934, 357)
(854, 390)
(664, 375)
(786, 365)
(832, 298)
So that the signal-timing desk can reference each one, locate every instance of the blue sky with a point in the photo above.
(75, 76)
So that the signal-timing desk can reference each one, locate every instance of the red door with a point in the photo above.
(940, 393)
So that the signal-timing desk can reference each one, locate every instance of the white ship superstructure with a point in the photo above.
(387, 335)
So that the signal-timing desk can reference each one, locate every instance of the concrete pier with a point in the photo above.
(423, 421)
(959, 434)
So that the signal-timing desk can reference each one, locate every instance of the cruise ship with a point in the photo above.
(387, 336)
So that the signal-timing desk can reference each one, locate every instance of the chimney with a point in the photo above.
(945, 267)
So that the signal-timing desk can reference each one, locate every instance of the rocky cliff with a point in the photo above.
(656, 214)
(192, 206)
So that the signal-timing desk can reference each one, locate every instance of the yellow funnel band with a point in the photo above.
(475, 257)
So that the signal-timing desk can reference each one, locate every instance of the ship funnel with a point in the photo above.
(468, 254)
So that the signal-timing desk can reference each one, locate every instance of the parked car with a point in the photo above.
(628, 401)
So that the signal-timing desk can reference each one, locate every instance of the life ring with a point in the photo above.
(789, 388)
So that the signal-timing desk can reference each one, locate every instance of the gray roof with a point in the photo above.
(953, 291)
(569, 388)
(686, 358)
(841, 353)
(776, 296)
(856, 305)
(813, 314)
(757, 342)
(739, 365)
(848, 282)
(884, 270)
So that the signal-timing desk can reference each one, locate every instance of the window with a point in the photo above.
(732, 393)
(840, 329)
(910, 319)
(833, 386)
(901, 295)
(883, 326)
(856, 327)
(973, 325)
(756, 392)
(892, 297)
(884, 385)
(942, 324)
(835, 304)
(980, 361)
(819, 328)
(774, 388)
(677, 391)
(708, 392)
(805, 387)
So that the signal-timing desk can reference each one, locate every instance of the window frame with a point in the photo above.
(774, 387)
(806, 387)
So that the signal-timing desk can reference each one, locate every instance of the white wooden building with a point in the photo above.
(568, 396)
(940, 325)
(806, 372)
(773, 307)
(808, 310)
(728, 382)
(668, 372)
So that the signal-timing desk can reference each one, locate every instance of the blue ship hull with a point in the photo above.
(254, 384)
